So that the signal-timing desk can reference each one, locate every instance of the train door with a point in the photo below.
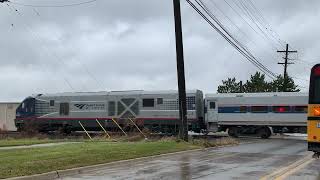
(212, 115)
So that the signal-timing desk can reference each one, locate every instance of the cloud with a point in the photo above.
(121, 45)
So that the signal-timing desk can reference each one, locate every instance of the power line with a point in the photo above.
(237, 27)
(204, 7)
(228, 37)
(247, 22)
(85, 68)
(35, 35)
(52, 6)
(60, 60)
(255, 21)
(282, 43)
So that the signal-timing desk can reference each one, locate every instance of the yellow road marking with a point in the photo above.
(290, 169)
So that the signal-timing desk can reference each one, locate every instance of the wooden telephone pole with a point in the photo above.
(286, 63)
(183, 127)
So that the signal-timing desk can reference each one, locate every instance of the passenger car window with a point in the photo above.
(212, 105)
(301, 109)
(259, 109)
(281, 109)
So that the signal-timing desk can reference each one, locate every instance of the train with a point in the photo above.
(258, 114)
(314, 112)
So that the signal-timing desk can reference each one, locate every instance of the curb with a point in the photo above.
(74, 171)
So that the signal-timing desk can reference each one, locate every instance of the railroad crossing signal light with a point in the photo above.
(316, 71)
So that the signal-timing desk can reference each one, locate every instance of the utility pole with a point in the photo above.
(183, 127)
(241, 87)
(286, 63)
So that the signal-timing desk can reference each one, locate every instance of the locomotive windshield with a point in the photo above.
(26, 108)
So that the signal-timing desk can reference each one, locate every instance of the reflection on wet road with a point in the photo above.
(253, 160)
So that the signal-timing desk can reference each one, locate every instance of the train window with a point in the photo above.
(259, 109)
(64, 109)
(111, 108)
(22, 105)
(148, 102)
(281, 109)
(128, 101)
(243, 109)
(121, 108)
(212, 105)
(302, 109)
(159, 100)
(135, 108)
(51, 102)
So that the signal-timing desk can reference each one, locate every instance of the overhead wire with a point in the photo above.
(237, 27)
(252, 18)
(258, 33)
(283, 43)
(228, 37)
(258, 18)
(85, 68)
(52, 5)
(229, 34)
(44, 47)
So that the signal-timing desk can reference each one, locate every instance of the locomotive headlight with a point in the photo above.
(316, 111)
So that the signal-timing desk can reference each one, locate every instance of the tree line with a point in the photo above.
(258, 83)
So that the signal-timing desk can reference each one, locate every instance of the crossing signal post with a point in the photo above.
(183, 127)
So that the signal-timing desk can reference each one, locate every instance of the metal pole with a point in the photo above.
(183, 128)
(85, 130)
(119, 127)
(137, 127)
(103, 128)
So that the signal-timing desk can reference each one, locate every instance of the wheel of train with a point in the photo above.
(264, 132)
(234, 131)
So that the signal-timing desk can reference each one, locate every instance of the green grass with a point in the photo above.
(25, 142)
(28, 161)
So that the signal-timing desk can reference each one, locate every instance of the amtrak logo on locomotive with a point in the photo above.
(90, 106)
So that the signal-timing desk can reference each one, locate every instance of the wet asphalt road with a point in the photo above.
(254, 159)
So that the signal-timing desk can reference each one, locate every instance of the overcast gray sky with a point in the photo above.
(129, 44)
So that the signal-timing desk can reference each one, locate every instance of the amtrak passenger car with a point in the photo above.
(155, 110)
(257, 113)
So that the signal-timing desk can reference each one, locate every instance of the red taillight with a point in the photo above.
(316, 71)
(314, 137)
(281, 109)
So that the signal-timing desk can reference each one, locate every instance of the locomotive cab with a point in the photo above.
(25, 112)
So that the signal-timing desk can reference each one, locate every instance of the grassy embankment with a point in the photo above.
(27, 141)
(28, 161)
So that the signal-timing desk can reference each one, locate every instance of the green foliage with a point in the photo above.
(229, 86)
(277, 85)
(258, 83)
(27, 142)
